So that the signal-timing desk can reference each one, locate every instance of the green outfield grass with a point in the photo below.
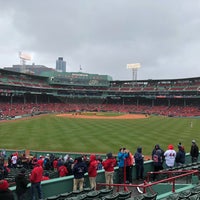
(54, 133)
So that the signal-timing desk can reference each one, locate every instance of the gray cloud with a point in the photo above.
(103, 36)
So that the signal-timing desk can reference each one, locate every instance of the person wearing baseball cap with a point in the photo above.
(5, 192)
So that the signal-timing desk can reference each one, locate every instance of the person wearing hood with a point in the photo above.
(194, 151)
(21, 184)
(92, 171)
(108, 166)
(158, 158)
(78, 170)
(5, 192)
(180, 156)
(35, 179)
(139, 164)
(170, 156)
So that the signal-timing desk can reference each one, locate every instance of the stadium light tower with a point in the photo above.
(134, 68)
(23, 58)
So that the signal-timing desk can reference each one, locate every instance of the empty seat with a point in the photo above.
(65, 195)
(111, 197)
(124, 195)
(105, 192)
(148, 196)
(93, 194)
(184, 194)
(194, 197)
(53, 197)
(195, 190)
(173, 196)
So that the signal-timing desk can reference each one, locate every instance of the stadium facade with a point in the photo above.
(79, 87)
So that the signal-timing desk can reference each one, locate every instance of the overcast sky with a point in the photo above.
(103, 36)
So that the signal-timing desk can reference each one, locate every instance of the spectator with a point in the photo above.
(62, 170)
(5, 192)
(158, 158)
(79, 169)
(180, 156)
(129, 167)
(41, 161)
(47, 163)
(109, 165)
(194, 151)
(14, 160)
(139, 164)
(4, 170)
(35, 179)
(92, 171)
(45, 177)
(122, 155)
(55, 165)
(21, 184)
(99, 161)
(170, 156)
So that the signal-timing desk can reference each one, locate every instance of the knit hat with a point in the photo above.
(3, 185)
(170, 146)
(109, 155)
(193, 141)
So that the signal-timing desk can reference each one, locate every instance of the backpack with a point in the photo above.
(157, 156)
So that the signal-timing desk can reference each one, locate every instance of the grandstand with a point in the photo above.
(171, 97)
(26, 95)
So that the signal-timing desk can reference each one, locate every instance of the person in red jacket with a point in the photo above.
(62, 170)
(129, 167)
(5, 192)
(108, 166)
(55, 164)
(40, 161)
(92, 171)
(35, 179)
(45, 177)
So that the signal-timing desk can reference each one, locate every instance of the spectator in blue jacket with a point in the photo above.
(122, 155)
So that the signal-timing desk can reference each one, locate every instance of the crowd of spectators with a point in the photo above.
(19, 109)
(39, 168)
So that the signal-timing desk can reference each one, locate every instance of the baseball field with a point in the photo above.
(98, 132)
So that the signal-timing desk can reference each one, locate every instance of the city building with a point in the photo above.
(60, 65)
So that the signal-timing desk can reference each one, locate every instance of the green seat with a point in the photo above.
(77, 192)
(195, 190)
(173, 196)
(53, 197)
(86, 190)
(105, 192)
(124, 195)
(83, 196)
(148, 196)
(63, 196)
(140, 197)
(184, 194)
(194, 197)
(111, 197)
(93, 194)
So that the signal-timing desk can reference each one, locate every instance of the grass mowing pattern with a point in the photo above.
(54, 133)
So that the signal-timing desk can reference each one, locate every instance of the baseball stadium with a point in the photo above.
(79, 114)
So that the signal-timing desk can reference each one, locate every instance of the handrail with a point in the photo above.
(148, 184)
